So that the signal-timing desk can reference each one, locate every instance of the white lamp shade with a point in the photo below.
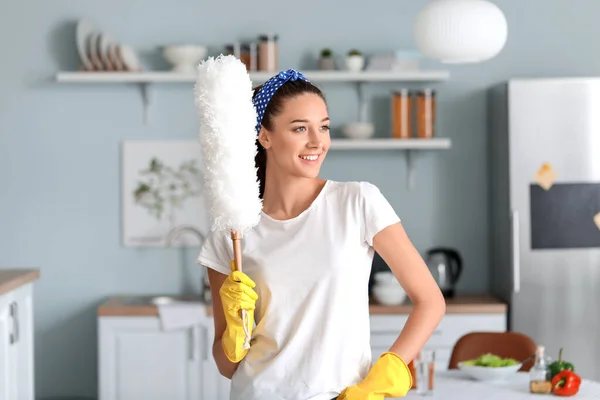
(461, 31)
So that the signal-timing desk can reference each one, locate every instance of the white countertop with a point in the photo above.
(452, 385)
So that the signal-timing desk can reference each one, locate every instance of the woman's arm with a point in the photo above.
(398, 252)
(225, 367)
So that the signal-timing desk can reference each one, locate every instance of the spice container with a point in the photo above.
(246, 52)
(232, 49)
(268, 53)
(402, 109)
(539, 374)
(253, 49)
(425, 107)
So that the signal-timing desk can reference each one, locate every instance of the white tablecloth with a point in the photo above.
(453, 385)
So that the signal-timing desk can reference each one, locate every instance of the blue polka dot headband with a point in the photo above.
(268, 89)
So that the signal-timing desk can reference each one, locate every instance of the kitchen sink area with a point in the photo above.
(145, 305)
(156, 300)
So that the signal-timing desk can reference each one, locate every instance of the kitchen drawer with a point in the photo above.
(453, 327)
(385, 329)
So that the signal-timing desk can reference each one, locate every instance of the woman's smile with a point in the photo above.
(310, 158)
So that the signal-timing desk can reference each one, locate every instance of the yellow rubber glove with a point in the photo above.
(389, 377)
(237, 293)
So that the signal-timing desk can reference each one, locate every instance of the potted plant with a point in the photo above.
(326, 60)
(355, 61)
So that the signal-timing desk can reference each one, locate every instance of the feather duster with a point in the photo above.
(223, 97)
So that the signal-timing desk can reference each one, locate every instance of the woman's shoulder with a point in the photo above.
(353, 190)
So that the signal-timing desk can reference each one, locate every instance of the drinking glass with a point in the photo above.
(425, 371)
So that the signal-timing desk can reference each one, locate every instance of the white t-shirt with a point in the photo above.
(312, 333)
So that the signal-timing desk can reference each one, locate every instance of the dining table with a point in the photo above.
(455, 385)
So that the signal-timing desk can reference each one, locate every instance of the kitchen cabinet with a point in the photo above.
(385, 330)
(137, 359)
(16, 335)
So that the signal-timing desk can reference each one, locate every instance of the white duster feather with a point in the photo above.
(223, 95)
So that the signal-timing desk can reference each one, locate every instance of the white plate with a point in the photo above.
(82, 32)
(129, 57)
(103, 47)
(115, 59)
(93, 53)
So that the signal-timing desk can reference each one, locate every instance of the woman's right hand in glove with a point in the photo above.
(237, 293)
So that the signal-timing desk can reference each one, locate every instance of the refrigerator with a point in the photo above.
(544, 182)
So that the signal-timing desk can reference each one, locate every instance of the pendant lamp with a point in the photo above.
(460, 31)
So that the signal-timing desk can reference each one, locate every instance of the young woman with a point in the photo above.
(306, 269)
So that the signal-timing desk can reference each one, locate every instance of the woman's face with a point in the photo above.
(299, 139)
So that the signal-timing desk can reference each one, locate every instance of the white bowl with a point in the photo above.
(184, 58)
(489, 373)
(385, 278)
(358, 130)
(389, 295)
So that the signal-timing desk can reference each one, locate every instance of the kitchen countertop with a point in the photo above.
(462, 304)
(11, 279)
(136, 306)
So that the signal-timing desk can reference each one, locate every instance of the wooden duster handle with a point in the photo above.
(237, 250)
(236, 237)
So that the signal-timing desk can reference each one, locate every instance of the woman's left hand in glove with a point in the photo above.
(389, 377)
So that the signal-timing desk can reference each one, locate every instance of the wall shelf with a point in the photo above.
(408, 145)
(391, 144)
(257, 77)
(146, 78)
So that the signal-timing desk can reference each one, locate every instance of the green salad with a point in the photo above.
(491, 360)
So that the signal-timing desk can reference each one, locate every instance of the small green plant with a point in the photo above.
(354, 52)
(326, 53)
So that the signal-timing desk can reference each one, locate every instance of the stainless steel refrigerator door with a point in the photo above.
(557, 285)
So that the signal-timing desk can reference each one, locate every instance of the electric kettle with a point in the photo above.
(445, 265)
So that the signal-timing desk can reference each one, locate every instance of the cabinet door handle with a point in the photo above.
(14, 314)
(515, 252)
(194, 343)
(206, 350)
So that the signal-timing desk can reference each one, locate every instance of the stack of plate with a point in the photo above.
(98, 51)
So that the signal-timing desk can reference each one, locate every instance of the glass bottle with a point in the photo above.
(246, 52)
(402, 114)
(268, 53)
(539, 379)
(245, 56)
(425, 113)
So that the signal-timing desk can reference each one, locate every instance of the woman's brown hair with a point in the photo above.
(275, 107)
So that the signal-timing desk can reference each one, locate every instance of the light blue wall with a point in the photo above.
(60, 144)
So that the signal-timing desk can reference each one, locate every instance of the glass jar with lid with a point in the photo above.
(246, 52)
(402, 110)
(268, 53)
(426, 113)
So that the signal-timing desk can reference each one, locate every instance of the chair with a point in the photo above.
(503, 344)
